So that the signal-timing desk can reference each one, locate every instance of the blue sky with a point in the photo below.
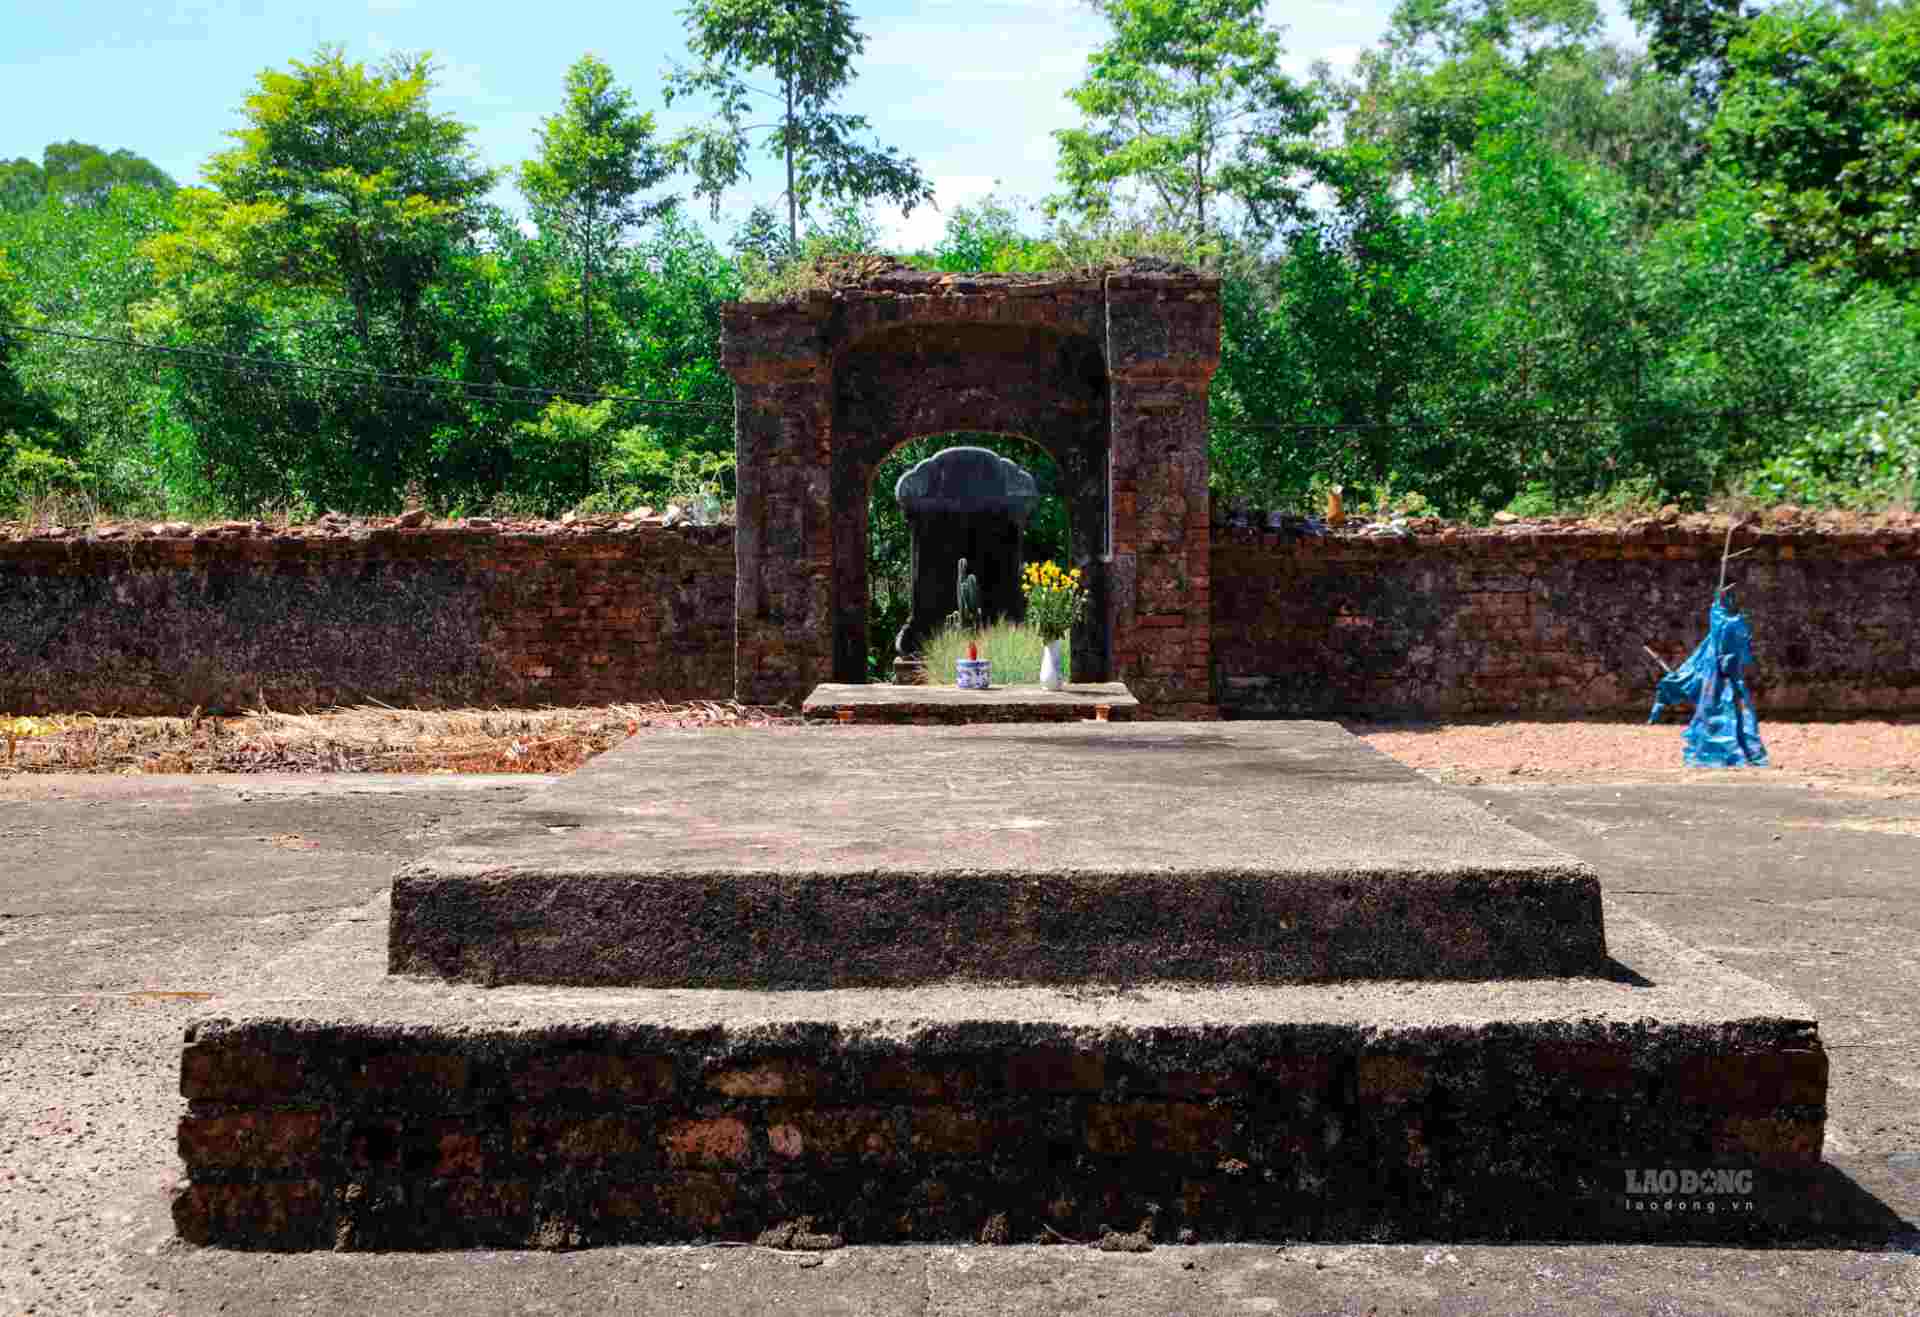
(970, 88)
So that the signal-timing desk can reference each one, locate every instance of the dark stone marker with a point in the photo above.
(964, 503)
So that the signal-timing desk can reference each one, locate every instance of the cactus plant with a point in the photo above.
(967, 594)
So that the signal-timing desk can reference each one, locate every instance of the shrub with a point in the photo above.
(1871, 462)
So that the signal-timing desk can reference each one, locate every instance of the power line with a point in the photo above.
(430, 385)
(1651, 416)
(416, 384)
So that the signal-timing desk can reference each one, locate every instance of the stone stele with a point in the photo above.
(964, 503)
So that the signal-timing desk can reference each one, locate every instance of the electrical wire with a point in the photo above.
(208, 358)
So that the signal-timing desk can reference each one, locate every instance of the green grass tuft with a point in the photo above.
(1015, 652)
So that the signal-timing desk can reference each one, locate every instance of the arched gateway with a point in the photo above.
(1109, 372)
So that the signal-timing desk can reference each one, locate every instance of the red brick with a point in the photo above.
(1056, 1070)
(1143, 1129)
(1768, 1142)
(920, 1080)
(233, 1072)
(581, 1140)
(288, 1213)
(831, 1134)
(448, 1146)
(1755, 1082)
(257, 1140)
(717, 1141)
(967, 1132)
(596, 1075)
(1301, 1072)
(401, 1070)
(459, 1152)
(778, 1078)
(1591, 1067)
(1392, 1079)
(1197, 1083)
(698, 1203)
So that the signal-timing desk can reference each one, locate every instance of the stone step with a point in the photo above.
(915, 705)
(358, 1111)
(830, 857)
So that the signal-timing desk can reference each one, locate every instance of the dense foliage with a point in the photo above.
(1503, 263)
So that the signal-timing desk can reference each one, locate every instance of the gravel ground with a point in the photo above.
(1853, 754)
(126, 900)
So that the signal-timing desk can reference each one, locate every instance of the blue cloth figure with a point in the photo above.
(1725, 731)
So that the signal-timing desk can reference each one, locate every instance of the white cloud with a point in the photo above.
(923, 228)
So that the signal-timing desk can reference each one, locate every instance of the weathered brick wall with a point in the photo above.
(1551, 620)
(152, 624)
(321, 1136)
(1522, 621)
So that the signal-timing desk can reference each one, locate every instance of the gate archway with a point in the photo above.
(1109, 373)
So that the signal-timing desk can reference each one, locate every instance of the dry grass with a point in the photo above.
(368, 739)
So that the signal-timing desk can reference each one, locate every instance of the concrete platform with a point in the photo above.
(1091, 853)
(879, 702)
(347, 1109)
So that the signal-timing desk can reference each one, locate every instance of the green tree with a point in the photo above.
(808, 47)
(760, 238)
(84, 175)
(1444, 64)
(1610, 107)
(1188, 101)
(984, 237)
(1820, 118)
(596, 158)
(23, 185)
(1689, 38)
(78, 174)
(79, 270)
(343, 181)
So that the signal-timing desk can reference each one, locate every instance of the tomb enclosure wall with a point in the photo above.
(227, 617)
(1529, 621)
(1551, 621)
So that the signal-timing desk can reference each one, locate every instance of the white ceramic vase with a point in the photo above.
(1052, 676)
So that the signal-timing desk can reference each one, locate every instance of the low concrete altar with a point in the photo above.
(1108, 701)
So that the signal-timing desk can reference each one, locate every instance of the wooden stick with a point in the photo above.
(1726, 556)
(1656, 658)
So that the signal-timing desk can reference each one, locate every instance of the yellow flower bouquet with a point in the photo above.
(1056, 599)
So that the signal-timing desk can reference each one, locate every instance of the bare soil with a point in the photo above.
(1864, 754)
(370, 739)
(360, 740)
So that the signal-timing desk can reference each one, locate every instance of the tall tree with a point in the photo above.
(83, 175)
(1689, 38)
(23, 185)
(1820, 117)
(1424, 91)
(596, 157)
(808, 47)
(1188, 100)
(78, 174)
(344, 180)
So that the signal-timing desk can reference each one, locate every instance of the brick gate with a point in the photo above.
(1108, 372)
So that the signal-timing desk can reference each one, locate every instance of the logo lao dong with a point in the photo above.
(1670, 1190)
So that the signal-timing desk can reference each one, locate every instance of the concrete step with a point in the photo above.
(831, 857)
(915, 705)
(360, 1111)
